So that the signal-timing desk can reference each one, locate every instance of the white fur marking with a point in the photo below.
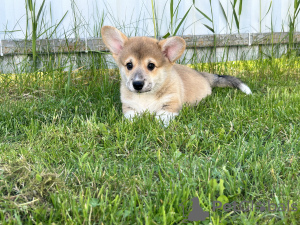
(130, 114)
(165, 117)
(244, 88)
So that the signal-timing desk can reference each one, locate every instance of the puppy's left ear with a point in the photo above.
(172, 48)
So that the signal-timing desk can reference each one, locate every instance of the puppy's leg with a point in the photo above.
(169, 111)
(166, 116)
(129, 112)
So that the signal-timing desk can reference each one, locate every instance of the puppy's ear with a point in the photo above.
(113, 39)
(173, 48)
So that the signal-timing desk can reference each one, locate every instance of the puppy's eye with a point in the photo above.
(151, 66)
(129, 66)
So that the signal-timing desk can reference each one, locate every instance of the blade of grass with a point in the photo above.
(153, 16)
(172, 14)
(55, 27)
(34, 22)
(203, 14)
(237, 23)
(268, 10)
(208, 27)
(240, 7)
(40, 11)
(224, 14)
(182, 20)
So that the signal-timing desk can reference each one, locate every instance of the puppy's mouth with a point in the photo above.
(143, 91)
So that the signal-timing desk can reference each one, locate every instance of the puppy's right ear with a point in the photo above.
(113, 39)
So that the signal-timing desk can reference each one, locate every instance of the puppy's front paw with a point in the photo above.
(165, 117)
(130, 114)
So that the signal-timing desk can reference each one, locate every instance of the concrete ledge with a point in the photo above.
(228, 40)
(46, 46)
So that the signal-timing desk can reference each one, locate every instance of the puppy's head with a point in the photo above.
(143, 62)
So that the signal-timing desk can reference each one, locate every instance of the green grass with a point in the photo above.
(69, 157)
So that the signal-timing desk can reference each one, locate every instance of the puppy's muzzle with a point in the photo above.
(138, 84)
(138, 81)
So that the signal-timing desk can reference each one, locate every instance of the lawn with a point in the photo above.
(68, 156)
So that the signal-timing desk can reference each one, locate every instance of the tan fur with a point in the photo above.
(167, 87)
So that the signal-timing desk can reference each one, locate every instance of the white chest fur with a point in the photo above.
(145, 102)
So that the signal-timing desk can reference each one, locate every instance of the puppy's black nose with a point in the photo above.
(138, 85)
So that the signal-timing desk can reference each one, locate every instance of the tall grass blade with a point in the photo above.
(55, 27)
(166, 35)
(182, 20)
(292, 26)
(203, 14)
(224, 14)
(208, 27)
(34, 22)
(177, 7)
(29, 4)
(240, 7)
(267, 11)
(40, 11)
(153, 16)
(237, 23)
(172, 14)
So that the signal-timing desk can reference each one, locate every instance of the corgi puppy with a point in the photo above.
(152, 81)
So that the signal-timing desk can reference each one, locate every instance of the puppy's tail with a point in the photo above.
(216, 80)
